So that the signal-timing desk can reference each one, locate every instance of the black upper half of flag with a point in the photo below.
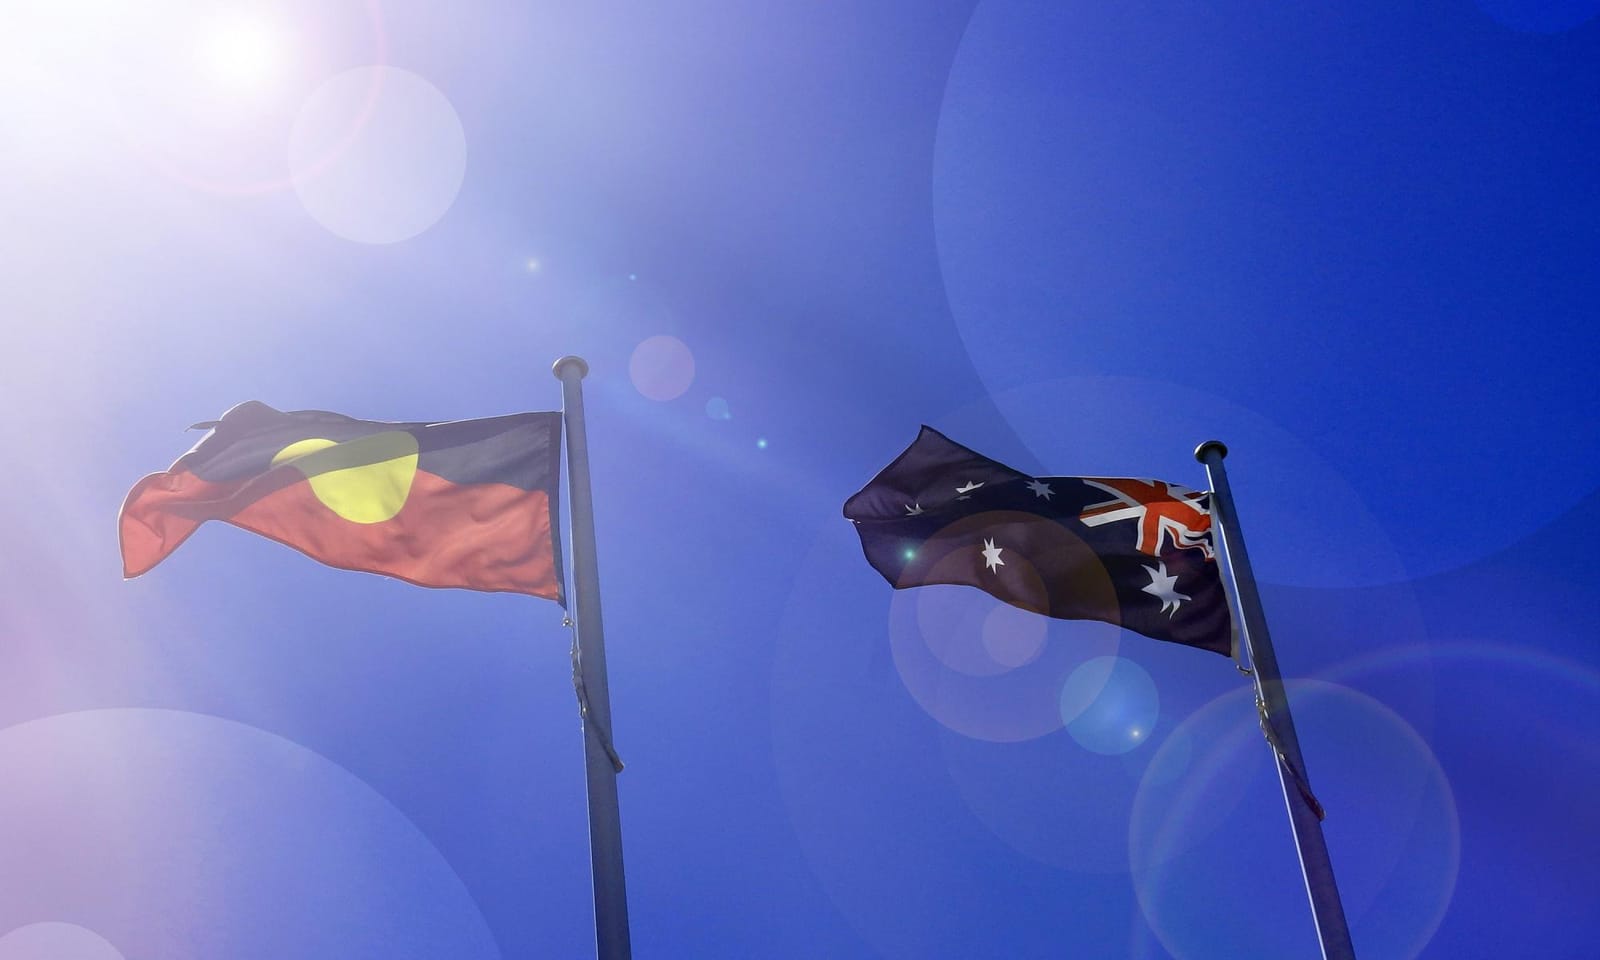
(522, 450)
(1134, 552)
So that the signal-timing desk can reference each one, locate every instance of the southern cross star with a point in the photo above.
(913, 509)
(1162, 586)
(1040, 489)
(968, 487)
(991, 555)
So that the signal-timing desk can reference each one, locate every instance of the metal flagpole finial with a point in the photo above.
(573, 362)
(1201, 452)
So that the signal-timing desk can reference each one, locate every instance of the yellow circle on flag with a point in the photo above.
(365, 480)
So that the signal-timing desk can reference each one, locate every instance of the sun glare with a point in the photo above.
(243, 54)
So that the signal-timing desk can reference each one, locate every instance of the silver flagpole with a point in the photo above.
(1305, 814)
(589, 674)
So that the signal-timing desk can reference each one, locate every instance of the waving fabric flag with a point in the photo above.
(1133, 552)
(470, 503)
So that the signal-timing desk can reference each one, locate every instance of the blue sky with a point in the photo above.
(1357, 244)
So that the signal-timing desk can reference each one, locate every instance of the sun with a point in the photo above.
(243, 53)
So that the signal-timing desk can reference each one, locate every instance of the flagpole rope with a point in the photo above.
(1299, 779)
(602, 732)
(1238, 653)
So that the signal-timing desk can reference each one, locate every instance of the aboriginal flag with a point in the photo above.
(1133, 552)
(468, 503)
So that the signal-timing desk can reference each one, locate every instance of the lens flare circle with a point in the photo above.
(1011, 637)
(1396, 831)
(189, 835)
(1110, 705)
(852, 753)
(56, 940)
(1509, 720)
(377, 155)
(1094, 224)
(959, 625)
(984, 672)
(661, 368)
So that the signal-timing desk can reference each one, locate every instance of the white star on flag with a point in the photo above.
(913, 509)
(991, 555)
(968, 487)
(1040, 489)
(1162, 586)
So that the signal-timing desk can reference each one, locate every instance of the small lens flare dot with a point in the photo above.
(761, 443)
(533, 265)
(911, 554)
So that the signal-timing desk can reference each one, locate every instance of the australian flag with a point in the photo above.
(1133, 552)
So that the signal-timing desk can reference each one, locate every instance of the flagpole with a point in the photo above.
(1305, 815)
(600, 758)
